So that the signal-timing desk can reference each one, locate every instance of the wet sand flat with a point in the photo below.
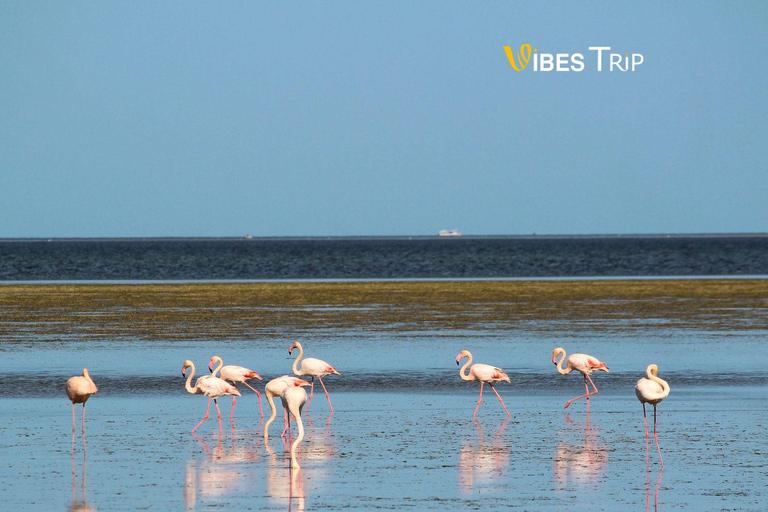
(229, 310)
(402, 436)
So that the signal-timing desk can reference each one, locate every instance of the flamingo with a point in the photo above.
(582, 363)
(484, 374)
(314, 368)
(235, 374)
(294, 398)
(210, 386)
(274, 388)
(651, 390)
(79, 390)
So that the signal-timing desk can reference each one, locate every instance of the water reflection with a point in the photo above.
(482, 463)
(284, 483)
(219, 474)
(655, 494)
(580, 463)
(78, 506)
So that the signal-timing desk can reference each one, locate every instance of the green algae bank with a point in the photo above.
(402, 436)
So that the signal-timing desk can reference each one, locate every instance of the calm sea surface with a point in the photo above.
(371, 258)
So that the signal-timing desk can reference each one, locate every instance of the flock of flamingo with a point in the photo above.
(221, 382)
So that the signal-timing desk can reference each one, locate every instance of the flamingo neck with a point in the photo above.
(90, 380)
(218, 367)
(188, 384)
(296, 370)
(270, 399)
(560, 369)
(661, 382)
(464, 372)
(297, 416)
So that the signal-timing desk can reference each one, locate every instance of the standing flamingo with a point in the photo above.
(235, 375)
(313, 368)
(484, 374)
(274, 388)
(651, 390)
(210, 386)
(79, 390)
(294, 398)
(581, 363)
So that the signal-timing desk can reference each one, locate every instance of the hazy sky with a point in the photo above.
(359, 118)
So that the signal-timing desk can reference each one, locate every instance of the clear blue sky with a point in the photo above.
(358, 118)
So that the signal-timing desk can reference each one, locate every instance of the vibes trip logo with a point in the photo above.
(576, 62)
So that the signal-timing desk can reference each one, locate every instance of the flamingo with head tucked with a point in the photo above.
(235, 375)
(651, 390)
(583, 364)
(294, 398)
(210, 386)
(314, 368)
(79, 390)
(274, 388)
(483, 373)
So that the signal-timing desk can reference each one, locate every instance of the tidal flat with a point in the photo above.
(402, 435)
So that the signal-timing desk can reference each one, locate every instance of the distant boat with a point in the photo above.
(449, 232)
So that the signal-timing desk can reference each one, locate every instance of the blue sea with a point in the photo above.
(382, 257)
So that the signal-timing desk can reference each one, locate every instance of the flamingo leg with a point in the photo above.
(647, 457)
(83, 418)
(73, 422)
(500, 400)
(258, 395)
(204, 417)
(311, 393)
(587, 395)
(218, 413)
(232, 411)
(656, 437)
(479, 400)
(326, 394)
(286, 422)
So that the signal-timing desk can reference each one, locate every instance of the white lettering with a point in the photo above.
(599, 50)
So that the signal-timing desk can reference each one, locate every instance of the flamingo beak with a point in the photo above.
(210, 367)
(554, 359)
(183, 372)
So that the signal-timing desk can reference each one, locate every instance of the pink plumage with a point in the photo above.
(483, 373)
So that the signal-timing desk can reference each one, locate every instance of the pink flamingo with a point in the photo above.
(651, 390)
(274, 388)
(294, 398)
(79, 390)
(210, 386)
(484, 374)
(235, 375)
(313, 368)
(581, 363)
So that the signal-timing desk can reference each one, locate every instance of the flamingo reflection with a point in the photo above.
(483, 462)
(78, 506)
(655, 494)
(219, 474)
(284, 482)
(580, 464)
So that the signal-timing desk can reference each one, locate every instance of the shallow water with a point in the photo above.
(402, 436)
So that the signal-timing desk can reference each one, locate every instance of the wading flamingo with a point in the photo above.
(482, 373)
(314, 368)
(79, 390)
(210, 386)
(651, 390)
(581, 363)
(294, 398)
(273, 389)
(235, 375)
